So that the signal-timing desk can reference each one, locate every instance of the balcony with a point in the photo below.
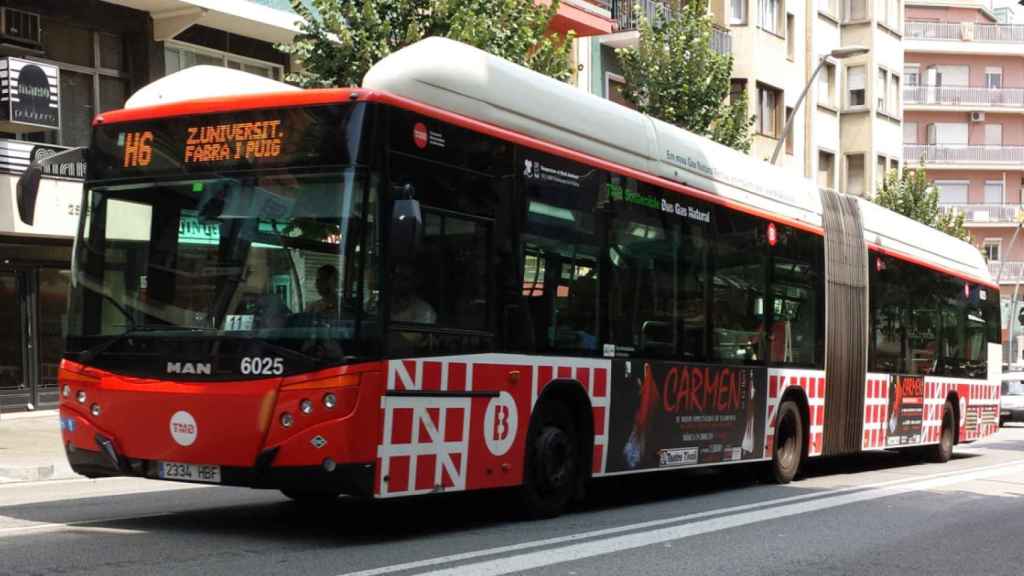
(626, 20)
(584, 17)
(962, 155)
(980, 214)
(963, 31)
(1013, 271)
(970, 96)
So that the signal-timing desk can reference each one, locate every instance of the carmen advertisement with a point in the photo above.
(667, 414)
(906, 410)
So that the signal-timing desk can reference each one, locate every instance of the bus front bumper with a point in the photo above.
(352, 479)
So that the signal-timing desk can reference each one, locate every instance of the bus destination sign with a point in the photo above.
(244, 140)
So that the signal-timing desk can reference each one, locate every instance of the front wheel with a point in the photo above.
(943, 451)
(789, 442)
(551, 471)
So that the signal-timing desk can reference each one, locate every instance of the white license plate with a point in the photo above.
(191, 472)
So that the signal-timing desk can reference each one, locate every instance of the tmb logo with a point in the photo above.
(420, 135)
(500, 424)
(183, 428)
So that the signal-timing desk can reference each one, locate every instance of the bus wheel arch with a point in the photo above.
(792, 435)
(561, 414)
(954, 399)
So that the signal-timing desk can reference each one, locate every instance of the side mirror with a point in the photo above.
(406, 224)
(28, 183)
(28, 189)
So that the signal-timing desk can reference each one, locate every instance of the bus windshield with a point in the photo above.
(277, 265)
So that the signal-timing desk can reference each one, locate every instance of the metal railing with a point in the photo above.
(626, 19)
(963, 31)
(962, 154)
(1013, 271)
(603, 4)
(985, 213)
(964, 96)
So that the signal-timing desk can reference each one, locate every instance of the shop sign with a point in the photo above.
(63, 170)
(29, 94)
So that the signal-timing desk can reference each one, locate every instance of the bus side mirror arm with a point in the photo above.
(28, 182)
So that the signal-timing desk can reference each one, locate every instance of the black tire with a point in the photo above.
(789, 442)
(552, 462)
(312, 497)
(1002, 422)
(943, 451)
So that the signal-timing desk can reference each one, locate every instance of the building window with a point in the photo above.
(827, 85)
(770, 15)
(994, 192)
(894, 164)
(855, 174)
(790, 36)
(826, 170)
(910, 132)
(993, 77)
(952, 191)
(737, 90)
(881, 90)
(948, 133)
(614, 85)
(993, 134)
(93, 79)
(789, 136)
(829, 7)
(911, 74)
(768, 99)
(880, 171)
(738, 12)
(990, 247)
(179, 55)
(855, 85)
(856, 10)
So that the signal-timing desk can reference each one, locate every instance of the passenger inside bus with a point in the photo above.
(407, 305)
(327, 288)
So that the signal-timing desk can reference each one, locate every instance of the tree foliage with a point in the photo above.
(341, 39)
(674, 75)
(909, 192)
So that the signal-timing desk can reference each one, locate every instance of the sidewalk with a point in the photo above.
(31, 448)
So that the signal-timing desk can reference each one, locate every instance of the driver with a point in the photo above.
(327, 288)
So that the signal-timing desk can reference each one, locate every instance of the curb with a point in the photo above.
(26, 473)
(10, 416)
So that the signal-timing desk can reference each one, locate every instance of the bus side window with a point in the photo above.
(738, 289)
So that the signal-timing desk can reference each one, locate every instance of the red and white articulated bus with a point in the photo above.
(466, 275)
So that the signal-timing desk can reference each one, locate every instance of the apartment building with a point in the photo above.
(964, 114)
(846, 133)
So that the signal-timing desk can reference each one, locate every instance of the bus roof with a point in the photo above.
(466, 81)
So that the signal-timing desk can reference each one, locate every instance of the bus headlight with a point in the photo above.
(81, 396)
(330, 400)
(287, 420)
(95, 409)
(67, 390)
(306, 407)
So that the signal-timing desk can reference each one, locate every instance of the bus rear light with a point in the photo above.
(330, 400)
(306, 407)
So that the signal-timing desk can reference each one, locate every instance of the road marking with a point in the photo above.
(692, 525)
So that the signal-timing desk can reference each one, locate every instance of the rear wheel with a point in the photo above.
(551, 472)
(943, 451)
(789, 442)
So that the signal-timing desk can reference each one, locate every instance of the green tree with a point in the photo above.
(909, 192)
(674, 75)
(341, 39)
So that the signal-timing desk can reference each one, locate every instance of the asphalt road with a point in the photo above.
(876, 514)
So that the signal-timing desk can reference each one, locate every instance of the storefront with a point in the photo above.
(64, 63)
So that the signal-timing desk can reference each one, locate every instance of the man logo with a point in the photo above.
(199, 368)
(183, 428)
(500, 424)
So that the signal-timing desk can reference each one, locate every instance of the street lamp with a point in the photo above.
(838, 54)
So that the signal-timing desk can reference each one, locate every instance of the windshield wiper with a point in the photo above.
(87, 355)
